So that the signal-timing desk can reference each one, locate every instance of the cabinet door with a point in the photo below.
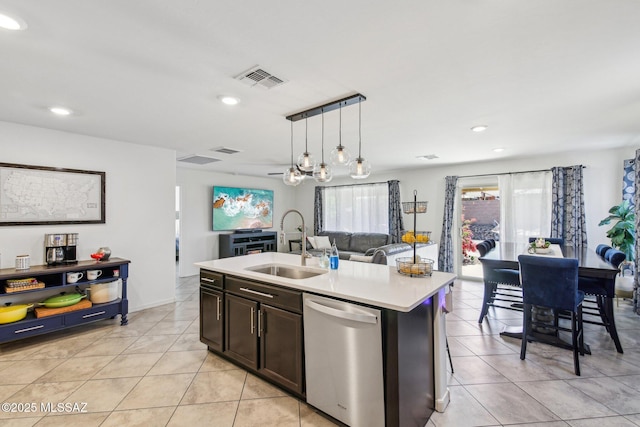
(281, 347)
(211, 318)
(241, 332)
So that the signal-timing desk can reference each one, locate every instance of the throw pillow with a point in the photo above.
(361, 258)
(312, 241)
(322, 242)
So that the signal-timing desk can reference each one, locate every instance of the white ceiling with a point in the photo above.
(545, 75)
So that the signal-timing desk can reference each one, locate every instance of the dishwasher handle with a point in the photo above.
(356, 317)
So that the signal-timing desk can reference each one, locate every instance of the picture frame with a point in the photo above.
(41, 195)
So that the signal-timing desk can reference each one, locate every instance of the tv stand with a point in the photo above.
(247, 242)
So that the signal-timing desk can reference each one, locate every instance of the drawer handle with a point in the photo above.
(251, 291)
(205, 279)
(33, 328)
(93, 314)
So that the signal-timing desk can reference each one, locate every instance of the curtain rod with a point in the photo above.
(353, 185)
(507, 173)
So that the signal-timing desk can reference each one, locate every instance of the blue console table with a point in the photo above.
(55, 280)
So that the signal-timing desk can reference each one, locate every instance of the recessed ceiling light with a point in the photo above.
(498, 150)
(9, 23)
(228, 100)
(60, 111)
(428, 157)
(479, 128)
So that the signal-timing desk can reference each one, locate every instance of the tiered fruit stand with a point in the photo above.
(415, 266)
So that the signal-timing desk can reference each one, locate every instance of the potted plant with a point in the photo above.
(623, 232)
(468, 245)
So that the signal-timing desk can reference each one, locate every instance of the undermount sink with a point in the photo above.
(288, 271)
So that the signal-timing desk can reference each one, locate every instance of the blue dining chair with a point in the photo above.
(552, 283)
(483, 248)
(603, 290)
(552, 240)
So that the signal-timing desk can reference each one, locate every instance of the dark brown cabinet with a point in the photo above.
(211, 318)
(212, 310)
(262, 329)
(241, 330)
(281, 347)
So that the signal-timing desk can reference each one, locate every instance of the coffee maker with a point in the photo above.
(60, 249)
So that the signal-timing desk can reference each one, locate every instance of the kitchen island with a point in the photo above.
(255, 319)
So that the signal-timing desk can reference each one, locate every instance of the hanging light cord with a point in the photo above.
(322, 133)
(340, 134)
(360, 129)
(292, 143)
(306, 134)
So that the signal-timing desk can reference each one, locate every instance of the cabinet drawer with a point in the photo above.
(28, 328)
(96, 312)
(209, 279)
(273, 295)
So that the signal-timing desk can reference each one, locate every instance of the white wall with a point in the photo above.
(140, 206)
(602, 181)
(197, 240)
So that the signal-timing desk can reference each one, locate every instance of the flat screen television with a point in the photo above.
(242, 208)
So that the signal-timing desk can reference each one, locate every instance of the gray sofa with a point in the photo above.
(353, 243)
(388, 253)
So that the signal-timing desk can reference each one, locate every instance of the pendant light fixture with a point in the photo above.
(359, 168)
(292, 175)
(340, 156)
(306, 162)
(322, 171)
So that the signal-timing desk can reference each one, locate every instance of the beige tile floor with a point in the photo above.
(155, 372)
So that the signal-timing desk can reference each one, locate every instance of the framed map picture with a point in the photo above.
(39, 195)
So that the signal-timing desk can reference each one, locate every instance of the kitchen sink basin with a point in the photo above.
(288, 271)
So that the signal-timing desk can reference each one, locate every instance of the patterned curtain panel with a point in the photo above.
(629, 181)
(567, 216)
(445, 254)
(636, 300)
(318, 226)
(396, 224)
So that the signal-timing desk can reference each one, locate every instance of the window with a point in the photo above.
(356, 208)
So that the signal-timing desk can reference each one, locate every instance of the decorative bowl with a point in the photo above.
(421, 267)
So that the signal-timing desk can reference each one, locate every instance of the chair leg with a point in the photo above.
(574, 341)
(489, 290)
(608, 309)
(446, 340)
(526, 324)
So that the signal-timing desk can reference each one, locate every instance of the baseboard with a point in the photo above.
(153, 305)
(443, 401)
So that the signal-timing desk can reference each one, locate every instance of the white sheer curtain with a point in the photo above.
(357, 208)
(525, 206)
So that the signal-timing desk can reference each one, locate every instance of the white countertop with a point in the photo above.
(373, 284)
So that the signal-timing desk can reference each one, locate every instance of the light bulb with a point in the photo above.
(340, 156)
(322, 173)
(359, 168)
(292, 176)
(306, 161)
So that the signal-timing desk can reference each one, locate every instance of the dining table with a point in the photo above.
(503, 259)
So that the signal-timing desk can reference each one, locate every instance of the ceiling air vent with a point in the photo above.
(198, 160)
(224, 150)
(256, 76)
(428, 157)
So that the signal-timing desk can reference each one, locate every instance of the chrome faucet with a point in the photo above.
(303, 244)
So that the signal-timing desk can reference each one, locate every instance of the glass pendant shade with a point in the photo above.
(292, 176)
(340, 156)
(359, 168)
(322, 173)
(306, 162)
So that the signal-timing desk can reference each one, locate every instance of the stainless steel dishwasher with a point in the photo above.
(343, 358)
